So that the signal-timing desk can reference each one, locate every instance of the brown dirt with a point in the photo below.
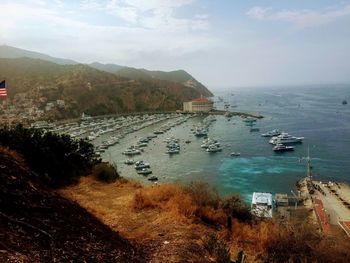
(168, 239)
(38, 225)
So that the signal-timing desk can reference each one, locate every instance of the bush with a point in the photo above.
(217, 248)
(235, 206)
(57, 159)
(203, 194)
(105, 172)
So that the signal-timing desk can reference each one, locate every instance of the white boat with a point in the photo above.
(141, 165)
(262, 204)
(173, 150)
(285, 138)
(129, 162)
(132, 152)
(235, 154)
(272, 133)
(144, 171)
(282, 148)
(214, 148)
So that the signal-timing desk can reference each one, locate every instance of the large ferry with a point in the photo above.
(262, 204)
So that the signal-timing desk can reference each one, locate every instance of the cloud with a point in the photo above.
(154, 14)
(150, 30)
(300, 18)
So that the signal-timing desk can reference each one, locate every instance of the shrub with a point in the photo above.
(235, 206)
(57, 159)
(203, 194)
(105, 172)
(217, 248)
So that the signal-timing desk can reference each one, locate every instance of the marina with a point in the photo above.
(175, 145)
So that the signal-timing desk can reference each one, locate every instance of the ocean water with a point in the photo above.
(315, 113)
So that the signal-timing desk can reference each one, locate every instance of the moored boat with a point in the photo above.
(282, 148)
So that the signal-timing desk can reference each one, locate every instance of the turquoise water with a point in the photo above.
(315, 113)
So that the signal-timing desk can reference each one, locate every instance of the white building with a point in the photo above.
(201, 104)
(262, 204)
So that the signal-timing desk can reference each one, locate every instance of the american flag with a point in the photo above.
(3, 92)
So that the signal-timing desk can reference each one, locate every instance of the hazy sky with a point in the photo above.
(221, 43)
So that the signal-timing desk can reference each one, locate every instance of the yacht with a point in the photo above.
(214, 148)
(132, 151)
(235, 154)
(272, 133)
(282, 148)
(173, 150)
(141, 165)
(144, 171)
(285, 138)
(129, 162)
(262, 204)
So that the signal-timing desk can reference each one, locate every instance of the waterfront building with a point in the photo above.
(201, 104)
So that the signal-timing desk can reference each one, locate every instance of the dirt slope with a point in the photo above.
(38, 225)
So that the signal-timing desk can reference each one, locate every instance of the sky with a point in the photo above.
(222, 43)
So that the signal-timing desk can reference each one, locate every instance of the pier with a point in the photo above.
(236, 113)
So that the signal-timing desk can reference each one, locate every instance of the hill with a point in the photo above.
(35, 82)
(177, 76)
(13, 52)
(38, 225)
(111, 68)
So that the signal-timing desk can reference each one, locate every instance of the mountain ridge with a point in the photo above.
(39, 83)
(177, 76)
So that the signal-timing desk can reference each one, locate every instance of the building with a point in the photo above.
(262, 204)
(201, 104)
(281, 199)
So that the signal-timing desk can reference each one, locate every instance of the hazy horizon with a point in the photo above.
(222, 44)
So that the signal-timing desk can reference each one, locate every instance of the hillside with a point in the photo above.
(111, 68)
(85, 89)
(13, 52)
(38, 225)
(178, 76)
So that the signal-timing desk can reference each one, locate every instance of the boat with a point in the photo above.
(249, 119)
(129, 162)
(132, 151)
(254, 129)
(214, 148)
(141, 165)
(144, 171)
(272, 133)
(235, 154)
(282, 148)
(187, 141)
(285, 138)
(262, 204)
(153, 178)
(344, 102)
(201, 133)
(173, 150)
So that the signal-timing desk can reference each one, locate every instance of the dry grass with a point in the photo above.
(152, 215)
(180, 203)
(149, 221)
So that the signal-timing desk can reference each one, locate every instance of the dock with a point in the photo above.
(236, 113)
(331, 204)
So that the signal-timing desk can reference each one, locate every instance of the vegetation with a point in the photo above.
(105, 172)
(217, 248)
(196, 201)
(86, 89)
(57, 159)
